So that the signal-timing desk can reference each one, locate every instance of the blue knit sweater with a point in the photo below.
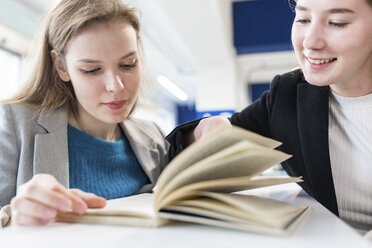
(107, 169)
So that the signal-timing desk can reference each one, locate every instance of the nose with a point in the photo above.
(314, 37)
(114, 83)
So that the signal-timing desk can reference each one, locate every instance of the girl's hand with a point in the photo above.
(38, 201)
(206, 125)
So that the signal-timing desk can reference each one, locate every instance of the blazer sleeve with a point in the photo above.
(9, 156)
(177, 138)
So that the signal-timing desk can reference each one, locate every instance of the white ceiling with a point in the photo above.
(193, 34)
(204, 26)
(38, 6)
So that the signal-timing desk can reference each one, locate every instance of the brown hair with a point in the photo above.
(43, 87)
(368, 1)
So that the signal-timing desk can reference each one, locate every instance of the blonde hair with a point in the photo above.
(43, 87)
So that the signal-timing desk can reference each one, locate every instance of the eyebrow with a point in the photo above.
(332, 11)
(95, 61)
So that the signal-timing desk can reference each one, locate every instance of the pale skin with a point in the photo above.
(339, 31)
(332, 40)
(104, 68)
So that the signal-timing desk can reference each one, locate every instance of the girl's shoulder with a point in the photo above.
(145, 132)
(25, 115)
(19, 111)
(288, 82)
(293, 77)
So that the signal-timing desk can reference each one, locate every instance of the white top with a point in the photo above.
(350, 147)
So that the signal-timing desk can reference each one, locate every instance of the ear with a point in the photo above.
(60, 66)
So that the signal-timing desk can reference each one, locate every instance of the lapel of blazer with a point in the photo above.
(313, 110)
(144, 147)
(51, 148)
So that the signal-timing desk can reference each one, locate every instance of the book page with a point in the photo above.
(243, 159)
(244, 211)
(136, 205)
(215, 141)
(135, 210)
(261, 211)
(255, 228)
(227, 185)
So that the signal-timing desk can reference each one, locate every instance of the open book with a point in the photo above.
(200, 185)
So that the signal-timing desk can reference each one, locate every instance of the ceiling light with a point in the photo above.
(172, 88)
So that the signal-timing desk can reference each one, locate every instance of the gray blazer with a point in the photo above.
(33, 142)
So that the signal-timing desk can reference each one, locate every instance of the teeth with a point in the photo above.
(320, 61)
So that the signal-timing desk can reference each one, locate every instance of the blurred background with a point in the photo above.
(204, 57)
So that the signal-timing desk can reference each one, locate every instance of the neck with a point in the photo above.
(360, 85)
(106, 131)
(351, 91)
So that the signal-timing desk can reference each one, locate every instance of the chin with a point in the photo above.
(119, 118)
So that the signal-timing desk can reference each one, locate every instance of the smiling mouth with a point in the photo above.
(320, 61)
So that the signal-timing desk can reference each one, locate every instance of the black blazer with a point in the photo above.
(295, 113)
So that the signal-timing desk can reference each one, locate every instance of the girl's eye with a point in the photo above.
(303, 21)
(338, 25)
(90, 71)
(128, 66)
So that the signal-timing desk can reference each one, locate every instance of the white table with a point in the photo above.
(320, 229)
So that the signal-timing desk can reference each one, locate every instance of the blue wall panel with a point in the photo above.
(185, 113)
(262, 26)
(256, 90)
